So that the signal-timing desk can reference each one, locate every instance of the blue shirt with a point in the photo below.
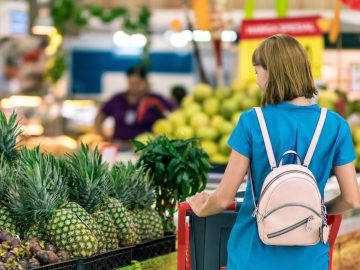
(290, 127)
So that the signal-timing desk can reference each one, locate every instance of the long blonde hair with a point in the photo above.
(288, 69)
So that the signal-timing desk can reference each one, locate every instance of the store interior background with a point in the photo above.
(63, 102)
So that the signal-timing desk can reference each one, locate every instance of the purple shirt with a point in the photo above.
(127, 126)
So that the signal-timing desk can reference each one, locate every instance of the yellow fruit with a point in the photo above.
(216, 120)
(162, 127)
(238, 86)
(209, 147)
(222, 93)
(187, 101)
(192, 109)
(207, 133)
(202, 91)
(235, 117)
(144, 137)
(248, 103)
(177, 118)
(184, 132)
(254, 91)
(211, 106)
(218, 158)
(224, 148)
(200, 119)
(225, 128)
(328, 99)
(229, 107)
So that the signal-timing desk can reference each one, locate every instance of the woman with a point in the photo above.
(283, 72)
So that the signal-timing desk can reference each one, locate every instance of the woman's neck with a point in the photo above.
(301, 101)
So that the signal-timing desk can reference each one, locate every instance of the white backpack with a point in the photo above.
(290, 211)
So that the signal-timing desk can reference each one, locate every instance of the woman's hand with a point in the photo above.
(198, 201)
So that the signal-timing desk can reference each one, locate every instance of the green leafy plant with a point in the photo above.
(178, 169)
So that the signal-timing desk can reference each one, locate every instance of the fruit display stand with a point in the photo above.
(107, 260)
(154, 248)
(67, 265)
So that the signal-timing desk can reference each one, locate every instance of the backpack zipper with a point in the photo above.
(289, 205)
(306, 221)
(277, 177)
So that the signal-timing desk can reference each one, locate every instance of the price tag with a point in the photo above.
(109, 152)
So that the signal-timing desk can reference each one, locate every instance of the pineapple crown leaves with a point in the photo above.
(39, 187)
(9, 132)
(131, 185)
(6, 174)
(88, 178)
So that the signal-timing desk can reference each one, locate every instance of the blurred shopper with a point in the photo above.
(178, 92)
(134, 110)
(284, 74)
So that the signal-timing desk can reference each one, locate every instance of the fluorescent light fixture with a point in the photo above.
(228, 36)
(179, 39)
(21, 101)
(121, 39)
(138, 40)
(43, 24)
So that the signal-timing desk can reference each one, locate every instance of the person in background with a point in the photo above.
(178, 92)
(134, 110)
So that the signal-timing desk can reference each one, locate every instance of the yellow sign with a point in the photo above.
(251, 37)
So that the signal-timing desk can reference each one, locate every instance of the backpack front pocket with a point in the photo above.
(306, 221)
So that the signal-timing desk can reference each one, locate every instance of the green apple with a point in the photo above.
(224, 148)
(219, 158)
(229, 107)
(187, 101)
(184, 132)
(162, 127)
(177, 118)
(222, 93)
(202, 91)
(235, 117)
(144, 137)
(199, 119)
(211, 106)
(209, 147)
(225, 128)
(217, 120)
(207, 133)
(238, 86)
(192, 109)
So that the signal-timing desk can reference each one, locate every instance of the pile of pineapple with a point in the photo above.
(75, 201)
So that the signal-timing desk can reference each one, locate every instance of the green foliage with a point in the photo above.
(177, 165)
(88, 178)
(38, 188)
(131, 185)
(9, 132)
(178, 169)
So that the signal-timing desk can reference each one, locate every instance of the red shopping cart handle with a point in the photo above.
(184, 207)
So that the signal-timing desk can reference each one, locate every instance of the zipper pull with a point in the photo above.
(309, 224)
(254, 212)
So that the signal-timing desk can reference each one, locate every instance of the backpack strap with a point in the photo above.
(315, 138)
(266, 137)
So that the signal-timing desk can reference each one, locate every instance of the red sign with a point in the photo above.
(263, 28)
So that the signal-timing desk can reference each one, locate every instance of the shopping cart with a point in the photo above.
(202, 241)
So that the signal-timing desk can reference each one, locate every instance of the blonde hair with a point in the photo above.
(289, 72)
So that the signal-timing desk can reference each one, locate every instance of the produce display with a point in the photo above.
(209, 114)
(74, 203)
(16, 254)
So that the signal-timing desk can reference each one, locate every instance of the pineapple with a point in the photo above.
(88, 188)
(7, 221)
(9, 132)
(132, 186)
(36, 198)
(122, 220)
